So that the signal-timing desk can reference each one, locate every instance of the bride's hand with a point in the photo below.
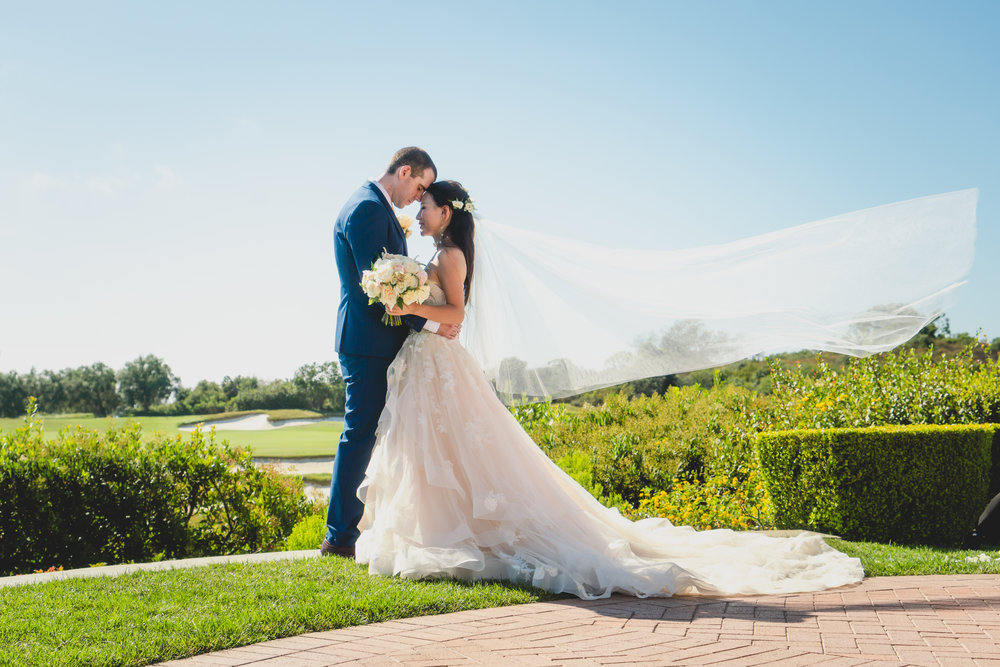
(396, 310)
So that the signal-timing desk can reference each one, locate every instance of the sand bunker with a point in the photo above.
(258, 423)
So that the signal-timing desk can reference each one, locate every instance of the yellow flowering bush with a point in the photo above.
(717, 502)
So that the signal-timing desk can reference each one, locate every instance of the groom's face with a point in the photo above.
(411, 187)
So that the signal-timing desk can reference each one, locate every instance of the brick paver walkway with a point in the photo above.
(939, 620)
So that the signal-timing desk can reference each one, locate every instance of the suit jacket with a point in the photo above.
(366, 225)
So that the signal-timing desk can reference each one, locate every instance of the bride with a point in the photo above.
(455, 488)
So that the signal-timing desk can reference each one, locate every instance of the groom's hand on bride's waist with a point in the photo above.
(449, 331)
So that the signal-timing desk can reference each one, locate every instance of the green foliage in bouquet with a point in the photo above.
(87, 496)
(908, 484)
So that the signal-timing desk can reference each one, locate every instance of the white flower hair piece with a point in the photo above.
(459, 205)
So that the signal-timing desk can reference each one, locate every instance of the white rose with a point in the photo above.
(410, 297)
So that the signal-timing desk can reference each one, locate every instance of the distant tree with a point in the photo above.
(145, 382)
(933, 332)
(205, 399)
(13, 395)
(277, 395)
(322, 386)
(93, 389)
(49, 387)
(654, 385)
(233, 386)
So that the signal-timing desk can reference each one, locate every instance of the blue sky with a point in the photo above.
(170, 172)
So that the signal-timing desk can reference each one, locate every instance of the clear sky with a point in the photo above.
(170, 172)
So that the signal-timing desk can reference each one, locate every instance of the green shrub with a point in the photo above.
(895, 388)
(902, 387)
(644, 442)
(917, 484)
(86, 497)
(995, 467)
(307, 533)
(677, 455)
(580, 467)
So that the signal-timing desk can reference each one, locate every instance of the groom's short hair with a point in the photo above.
(416, 158)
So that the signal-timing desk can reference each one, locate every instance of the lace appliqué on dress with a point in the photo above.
(493, 501)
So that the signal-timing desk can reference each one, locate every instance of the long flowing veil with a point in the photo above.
(552, 317)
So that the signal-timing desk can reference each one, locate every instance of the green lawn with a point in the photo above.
(891, 560)
(309, 440)
(288, 442)
(147, 617)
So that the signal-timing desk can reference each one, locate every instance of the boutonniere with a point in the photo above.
(406, 222)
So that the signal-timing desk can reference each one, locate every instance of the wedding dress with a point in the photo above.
(456, 488)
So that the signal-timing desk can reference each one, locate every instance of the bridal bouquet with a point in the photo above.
(395, 280)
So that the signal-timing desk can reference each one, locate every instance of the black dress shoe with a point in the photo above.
(327, 549)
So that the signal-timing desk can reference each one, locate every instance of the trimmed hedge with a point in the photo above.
(89, 497)
(995, 468)
(907, 484)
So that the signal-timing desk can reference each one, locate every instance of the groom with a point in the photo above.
(366, 226)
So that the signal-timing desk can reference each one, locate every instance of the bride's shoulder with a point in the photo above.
(452, 254)
(451, 259)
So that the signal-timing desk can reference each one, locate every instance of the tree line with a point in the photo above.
(147, 386)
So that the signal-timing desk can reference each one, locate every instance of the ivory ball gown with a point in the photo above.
(457, 489)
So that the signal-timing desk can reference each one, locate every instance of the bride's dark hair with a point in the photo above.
(462, 229)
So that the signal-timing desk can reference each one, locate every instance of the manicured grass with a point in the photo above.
(881, 560)
(288, 442)
(54, 424)
(318, 478)
(309, 440)
(147, 617)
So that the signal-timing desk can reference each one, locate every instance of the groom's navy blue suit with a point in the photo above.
(366, 226)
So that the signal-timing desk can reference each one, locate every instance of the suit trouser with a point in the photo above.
(365, 378)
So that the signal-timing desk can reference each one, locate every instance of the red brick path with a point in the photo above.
(939, 620)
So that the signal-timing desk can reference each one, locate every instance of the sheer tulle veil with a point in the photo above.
(551, 317)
